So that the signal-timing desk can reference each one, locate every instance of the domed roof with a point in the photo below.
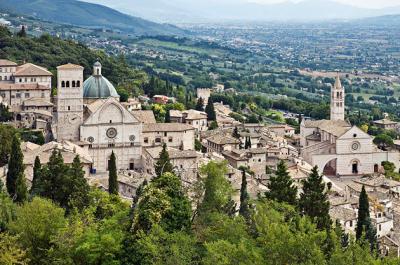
(97, 86)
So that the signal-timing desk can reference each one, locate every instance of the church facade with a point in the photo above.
(339, 149)
(89, 113)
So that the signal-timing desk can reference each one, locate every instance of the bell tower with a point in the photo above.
(69, 101)
(337, 101)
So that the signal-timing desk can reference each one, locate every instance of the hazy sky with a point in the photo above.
(360, 3)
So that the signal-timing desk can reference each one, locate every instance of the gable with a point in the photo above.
(355, 133)
(110, 111)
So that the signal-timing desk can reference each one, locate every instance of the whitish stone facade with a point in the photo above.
(112, 128)
(337, 101)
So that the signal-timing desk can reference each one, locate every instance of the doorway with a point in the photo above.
(355, 167)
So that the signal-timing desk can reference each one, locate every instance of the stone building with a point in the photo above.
(197, 119)
(338, 148)
(89, 113)
(179, 136)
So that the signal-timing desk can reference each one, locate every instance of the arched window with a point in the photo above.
(98, 71)
(78, 83)
(67, 84)
(62, 83)
(73, 83)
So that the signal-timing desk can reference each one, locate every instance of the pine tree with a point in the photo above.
(247, 144)
(200, 104)
(244, 198)
(211, 116)
(37, 171)
(163, 164)
(78, 186)
(281, 186)
(364, 225)
(314, 200)
(15, 166)
(112, 175)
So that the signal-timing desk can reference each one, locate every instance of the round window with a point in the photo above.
(111, 133)
(355, 146)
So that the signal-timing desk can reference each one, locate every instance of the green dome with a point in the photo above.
(97, 86)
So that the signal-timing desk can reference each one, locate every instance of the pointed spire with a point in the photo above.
(338, 84)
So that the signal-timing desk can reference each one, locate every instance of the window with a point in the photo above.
(158, 140)
(170, 139)
(67, 84)
(110, 121)
(90, 146)
(78, 83)
(27, 95)
(26, 79)
(165, 134)
(380, 227)
(1, 70)
(5, 78)
(111, 145)
(131, 166)
(73, 83)
(146, 140)
(62, 83)
(69, 107)
(20, 80)
(18, 95)
(351, 223)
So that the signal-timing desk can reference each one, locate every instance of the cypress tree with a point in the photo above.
(211, 116)
(167, 117)
(112, 175)
(364, 226)
(21, 191)
(314, 200)
(244, 198)
(15, 166)
(200, 104)
(163, 164)
(78, 186)
(281, 186)
(37, 170)
(53, 177)
(235, 133)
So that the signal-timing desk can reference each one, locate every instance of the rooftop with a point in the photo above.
(166, 127)
(69, 66)
(30, 69)
(4, 62)
(144, 116)
(173, 153)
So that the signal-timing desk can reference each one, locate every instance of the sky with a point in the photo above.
(359, 3)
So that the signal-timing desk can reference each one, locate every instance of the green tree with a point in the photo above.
(217, 190)
(6, 136)
(163, 164)
(10, 251)
(314, 201)
(163, 202)
(7, 211)
(78, 186)
(211, 115)
(383, 141)
(281, 186)
(5, 114)
(244, 209)
(22, 32)
(167, 118)
(112, 175)
(37, 171)
(364, 226)
(21, 190)
(15, 174)
(213, 125)
(36, 223)
(200, 105)
(235, 133)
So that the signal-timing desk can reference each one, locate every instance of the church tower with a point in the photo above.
(337, 101)
(69, 101)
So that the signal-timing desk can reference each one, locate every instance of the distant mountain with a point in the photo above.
(87, 15)
(222, 10)
(389, 20)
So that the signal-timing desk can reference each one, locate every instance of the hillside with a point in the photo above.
(222, 10)
(87, 15)
(51, 52)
